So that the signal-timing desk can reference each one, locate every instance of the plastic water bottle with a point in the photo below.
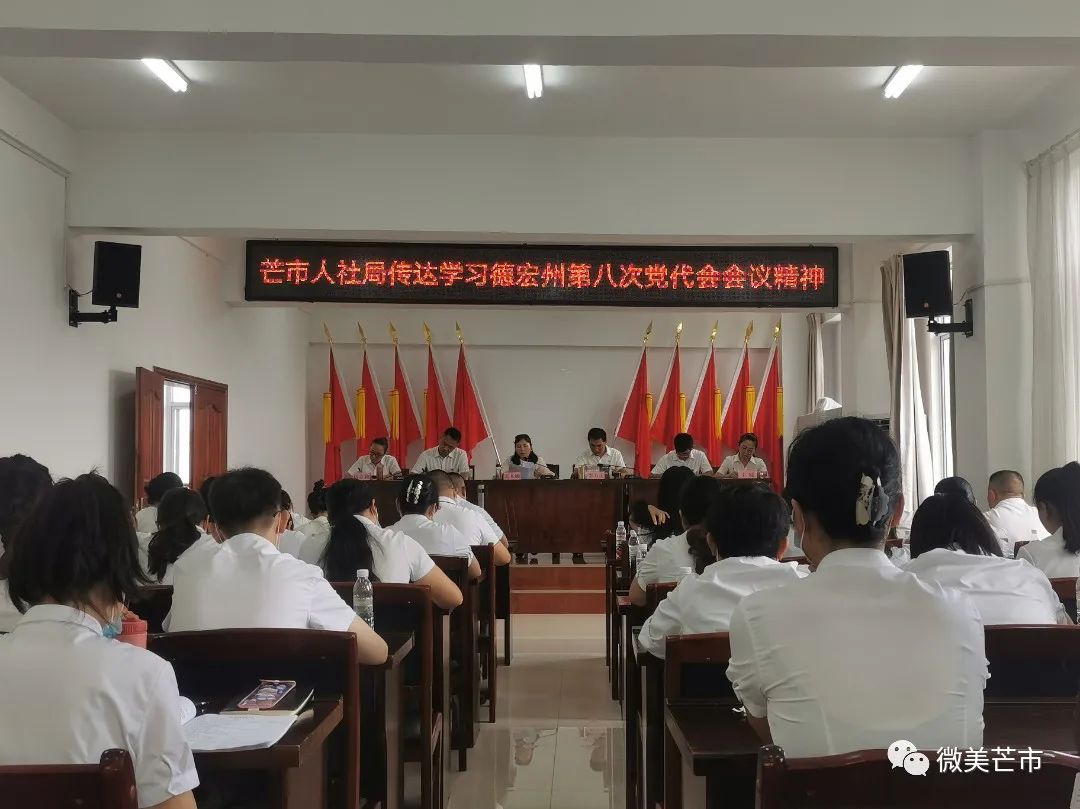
(620, 540)
(635, 548)
(363, 600)
(498, 471)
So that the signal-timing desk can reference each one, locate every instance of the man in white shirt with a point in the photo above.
(745, 460)
(377, 464)
(600, 454)
(446, 457)
(684, 455)
(468, 522)
(1012, 519)
(493, 533)
(247, 582)
(747, 531)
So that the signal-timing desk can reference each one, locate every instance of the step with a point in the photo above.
(558, 577)
(553, 602)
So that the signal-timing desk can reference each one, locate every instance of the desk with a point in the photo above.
(382, 775)
(644, 711)
(296, 765)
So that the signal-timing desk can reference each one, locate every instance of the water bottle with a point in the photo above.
(620, 540)
(498, 471)
(635, 548)
(363, 600)
(481, 492)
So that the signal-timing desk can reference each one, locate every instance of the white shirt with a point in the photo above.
(858, 655)
(667, 560)
(203, 539)
(1014, 521)
(70, 694)
(290, 542)
(430, 459)
(316, 533)
(1004, 591)
(146, 520)
(1050, 556)
(698, 463)
(9, 616)
(489, 529)
(435, 538)
(245, 582)
(704, 603)
(612, 458)
(541, 467)
(364, 466)
(733, 466)
(468, 522)
(397, 558)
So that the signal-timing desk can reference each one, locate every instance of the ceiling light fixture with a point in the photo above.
(900, 79)
(534, 80)
(168, 73)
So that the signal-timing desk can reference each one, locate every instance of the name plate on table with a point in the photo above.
(749, 474)
(595, 474)
(511, 476)
(362, 476)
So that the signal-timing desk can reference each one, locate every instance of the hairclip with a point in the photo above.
(413, 491)
(870, 505)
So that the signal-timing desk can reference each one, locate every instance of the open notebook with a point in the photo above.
(215, 733)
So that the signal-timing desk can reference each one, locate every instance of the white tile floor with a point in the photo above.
(558, 741)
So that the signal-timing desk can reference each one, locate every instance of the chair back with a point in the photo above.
(695, 667)
(867, 780)
(655, 593)
(1032, 661)
(152, 603)
(1066, 592)
(554, 467)
(109, 784)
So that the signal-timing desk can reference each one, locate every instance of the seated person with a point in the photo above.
(418, 502)
(492, 532)
(744, 460)
(672, 559)
(958, 487)
(377, 463)
(358, 542)
(22, 482)
(684, 455)
(747, 531)
(1012, 519)
(70, 692)
(523, 453)
(146, 518)
(859, 653)
(953, 545)
(472, 525)
(446, 457)
(204, 492)
(641, 520)
(1057, 496)
(600, 454)
(181, 525)
(317, 530)
(246, 582)
(289, 538)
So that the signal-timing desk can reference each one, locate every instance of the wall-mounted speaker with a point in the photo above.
(117, 269)
(928, 284)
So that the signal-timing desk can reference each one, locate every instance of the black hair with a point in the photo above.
(639, 513)
(286, 501)
(348, 549)
(952, 521)
(78, 536)
(748, 521)
(316, 499)
(417, 494)
(441, 479)
(668, 498)
(179, 515)
(243, 497)
(749, 437)
(453, 433)
(382, 442)
(160, 484)
(683, 442)
(204, 492)
(1006, 479)
(696, 497)
(455, 477)
(956, 486)
(825, 471)
(597, 434)
(22, 482)
(1060, 489)
(533, 457)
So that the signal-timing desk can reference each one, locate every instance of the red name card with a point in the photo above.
(511, 475)
(362, 476)
(595, 474)
(749, 474)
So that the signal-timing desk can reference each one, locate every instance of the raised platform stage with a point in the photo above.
(556, 589)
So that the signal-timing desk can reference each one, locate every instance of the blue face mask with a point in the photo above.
(114, 628)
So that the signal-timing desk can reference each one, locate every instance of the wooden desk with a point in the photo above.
(382, 774)
(644, 710)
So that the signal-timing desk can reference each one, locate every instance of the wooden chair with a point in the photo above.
(504, 606)
(464, 674)
(554, 467)
(867, 780)
(222, 663)
(152, 604)
(1032, 661)
(109, 784)
(1066, 592)
(488, 645)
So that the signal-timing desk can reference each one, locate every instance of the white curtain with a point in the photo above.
(815, 363)
(1054, 258)
(914, 381)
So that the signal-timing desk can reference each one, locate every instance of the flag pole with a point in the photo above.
(479, 398)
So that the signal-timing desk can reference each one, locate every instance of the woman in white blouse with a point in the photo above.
(953, 545)
(317, 530)
(523, 453)
(358, 542)
(1057, 496)
(182, 519)
(418, 502)
(73, 690)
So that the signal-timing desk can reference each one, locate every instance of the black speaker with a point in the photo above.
(116, 274)
(927, 284)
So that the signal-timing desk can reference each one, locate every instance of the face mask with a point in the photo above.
(115, 627)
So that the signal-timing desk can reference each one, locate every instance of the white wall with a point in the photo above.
(69, 393)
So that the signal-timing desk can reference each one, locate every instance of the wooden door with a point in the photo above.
(210, 429)
(149, 429)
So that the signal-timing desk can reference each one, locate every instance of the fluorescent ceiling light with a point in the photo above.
(168, 73)
(534, 80)
(900, 79)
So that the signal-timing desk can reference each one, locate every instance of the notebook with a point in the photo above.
(215, 733)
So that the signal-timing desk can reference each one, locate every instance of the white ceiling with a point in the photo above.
(111, 94)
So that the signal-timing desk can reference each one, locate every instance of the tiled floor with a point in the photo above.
(558, 741)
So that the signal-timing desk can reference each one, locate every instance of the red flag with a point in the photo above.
(404, 424)
(337, 424)
(468, 409)
(769, 418)
(436, 416)
(671, 411)
(371, 421)
(636, 416)
(706, 412)
(739, 407)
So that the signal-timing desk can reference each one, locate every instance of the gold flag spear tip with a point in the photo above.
(393, 334)
(427, 334)
(363, 337)
(326, 331)
(460, 335)
(776, 331)
(678, 333)
(648, 334)
(749, 332)
(715, 329)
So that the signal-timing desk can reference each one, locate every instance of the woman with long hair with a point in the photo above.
(182, 519)
(418, 503)
(1057, 497)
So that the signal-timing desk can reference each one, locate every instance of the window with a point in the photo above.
(177, 432)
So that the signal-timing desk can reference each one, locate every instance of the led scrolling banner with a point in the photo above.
(367, 272)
